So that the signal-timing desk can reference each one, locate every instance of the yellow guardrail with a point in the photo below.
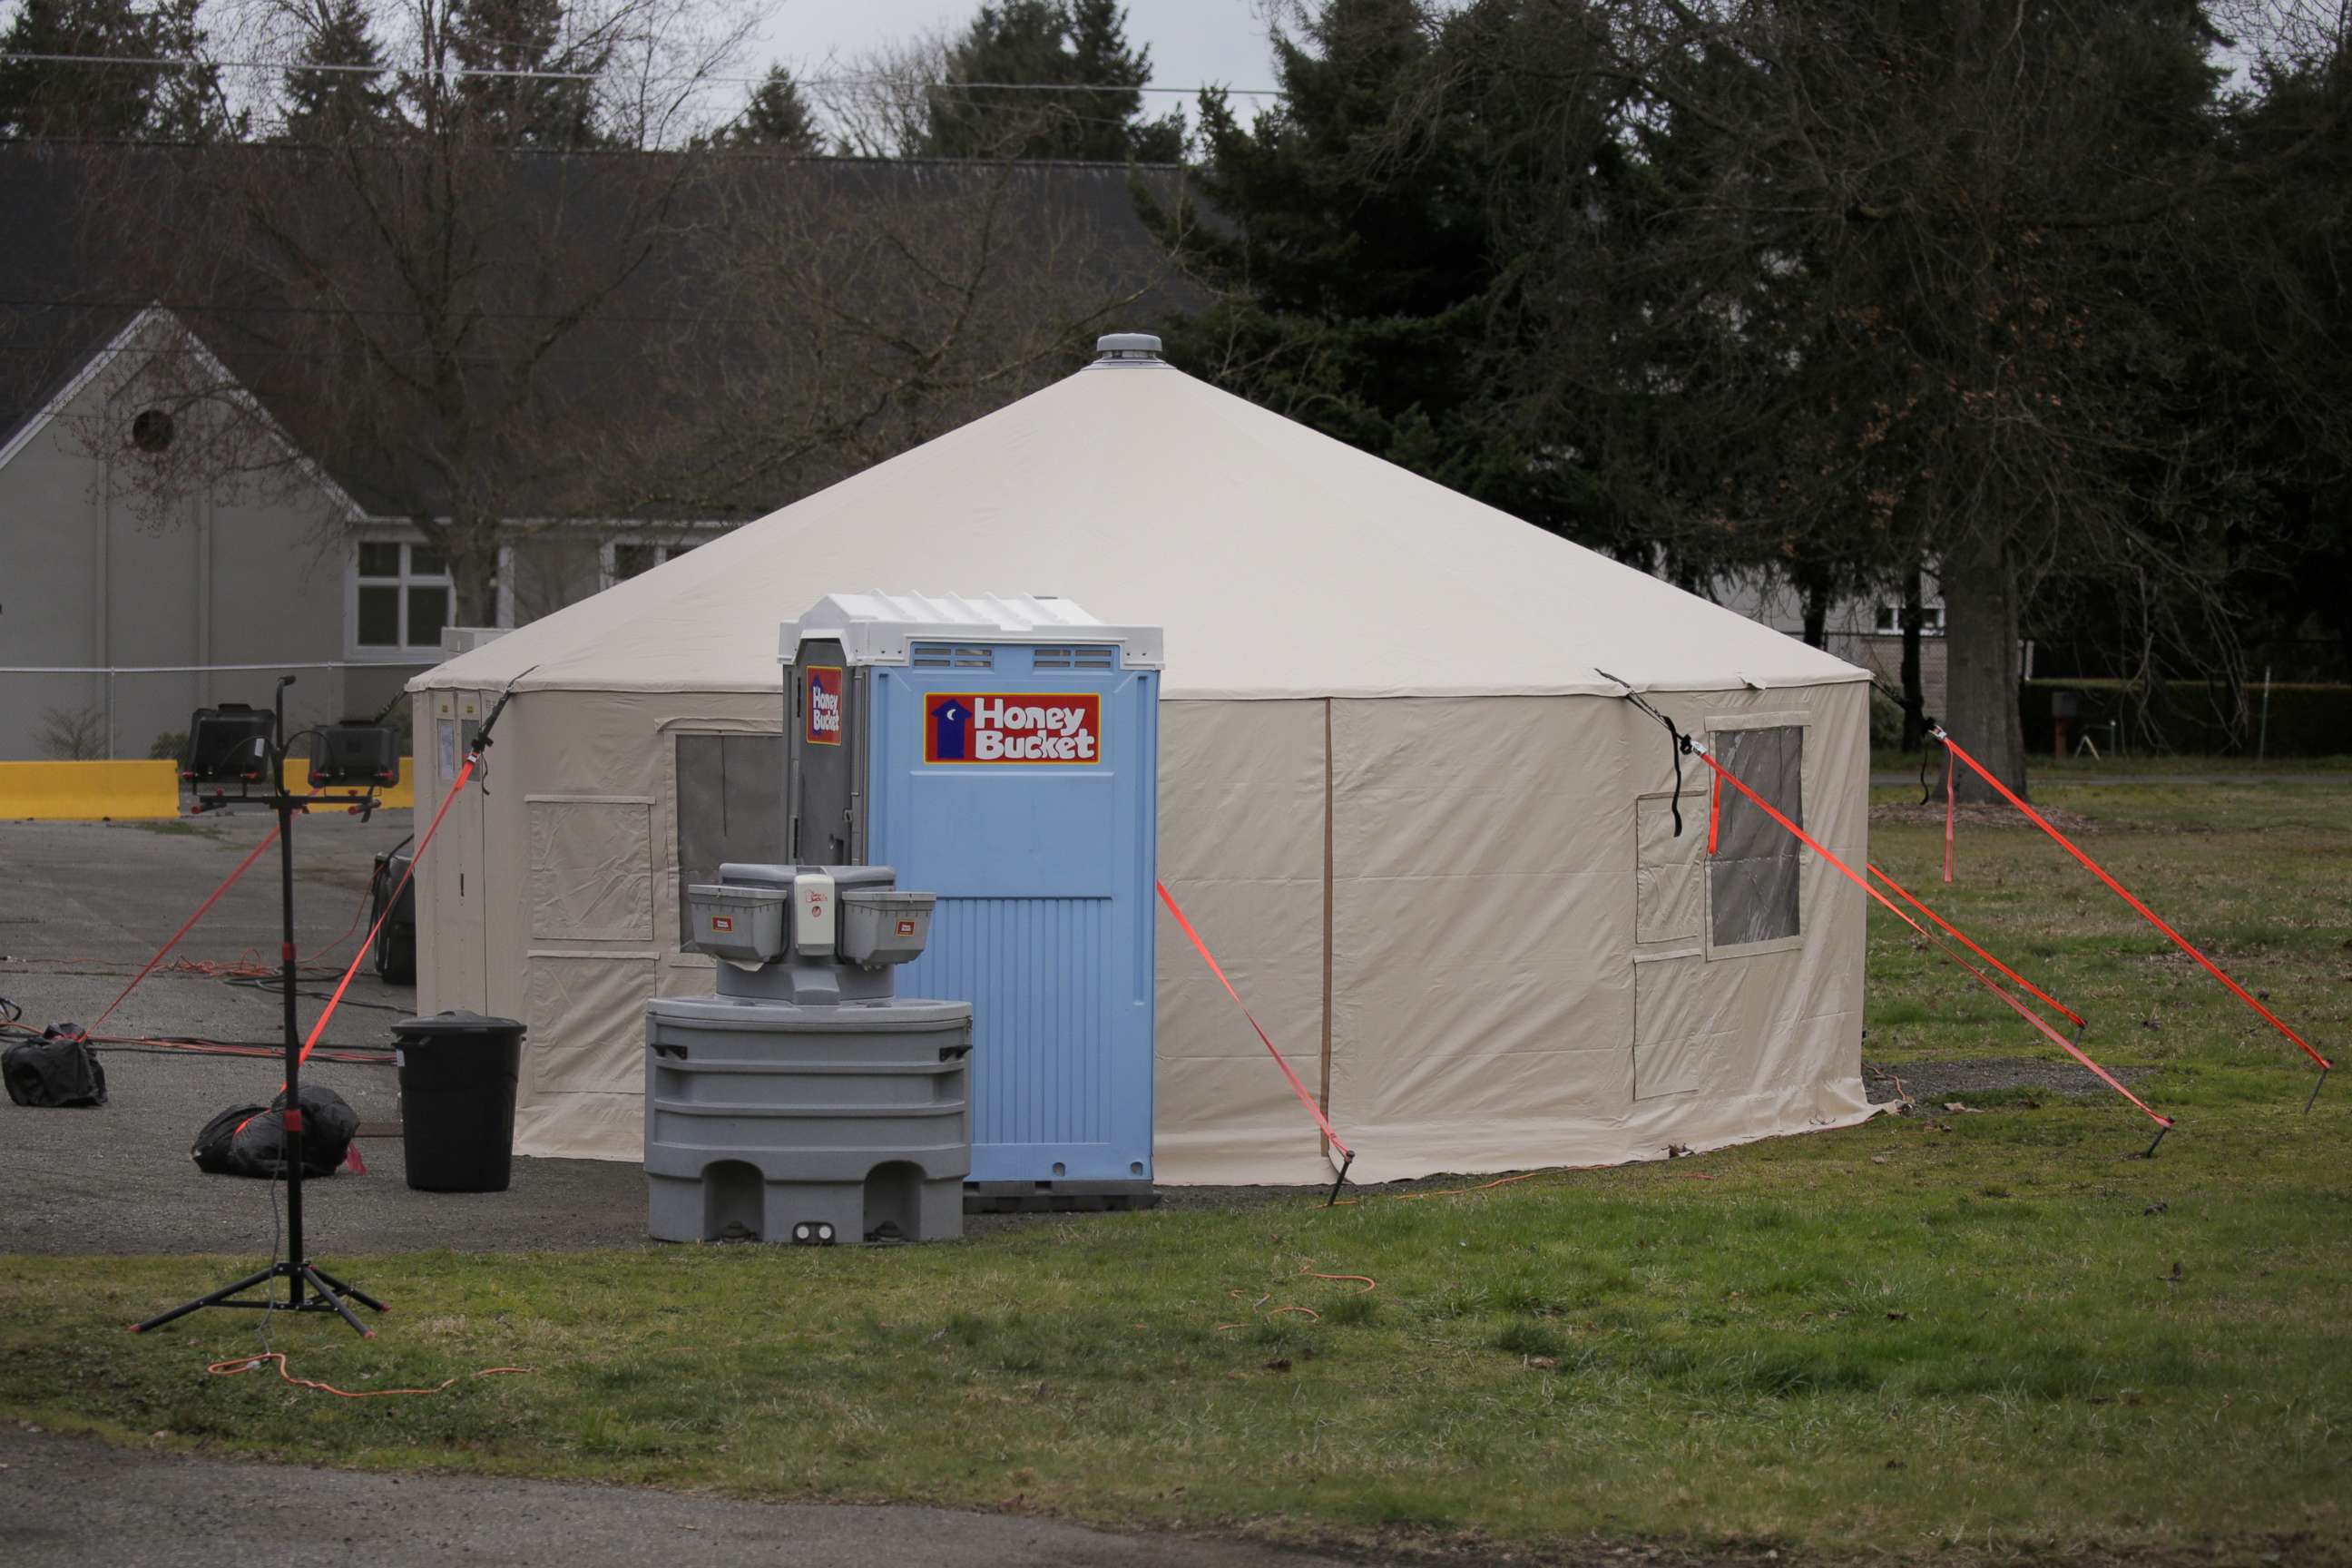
(131, 792)
(89, 792)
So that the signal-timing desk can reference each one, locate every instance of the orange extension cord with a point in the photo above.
(1306, 1270)
(247, 1363)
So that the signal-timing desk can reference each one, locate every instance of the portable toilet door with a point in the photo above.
(1003, 754)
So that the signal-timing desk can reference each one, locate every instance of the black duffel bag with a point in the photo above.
(57, 1069)
(250, 1140)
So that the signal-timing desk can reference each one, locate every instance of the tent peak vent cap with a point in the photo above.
(1127, 348)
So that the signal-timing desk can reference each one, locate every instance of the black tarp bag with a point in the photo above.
(57, 1069)
(250, 1140)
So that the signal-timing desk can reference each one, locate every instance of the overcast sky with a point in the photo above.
(1191, 41)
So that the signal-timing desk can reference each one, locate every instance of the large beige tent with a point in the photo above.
(1430, 842)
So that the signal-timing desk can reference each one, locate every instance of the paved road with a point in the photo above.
(67, 1502)
(82, 905)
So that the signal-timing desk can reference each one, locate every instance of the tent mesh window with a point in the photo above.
(731, 806)
(1752, 880)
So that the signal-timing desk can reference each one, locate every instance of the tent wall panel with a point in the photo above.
(591, 869)
(1482, 927)
(1241, 847)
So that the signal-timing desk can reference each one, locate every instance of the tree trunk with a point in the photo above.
(1817, 617)
(1980, 627)
(1914, 688)
(475, 577)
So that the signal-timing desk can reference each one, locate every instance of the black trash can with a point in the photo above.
(456, 1099)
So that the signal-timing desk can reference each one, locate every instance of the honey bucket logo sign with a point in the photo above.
(1013, 727)
(822, 712)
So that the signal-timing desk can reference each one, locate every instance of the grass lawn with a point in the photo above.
(2042, 768)
(1988, 1333)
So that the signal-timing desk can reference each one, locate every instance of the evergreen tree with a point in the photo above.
(1355, 255)
(326, 105)
(777, 120)
(2278, 287)
(179, 102)
(996, 100)
(514, 36)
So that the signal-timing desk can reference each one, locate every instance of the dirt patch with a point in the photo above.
(1998, 814)
(1933, 1082)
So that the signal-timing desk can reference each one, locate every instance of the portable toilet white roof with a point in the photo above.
(1429, 844)
(876, 629)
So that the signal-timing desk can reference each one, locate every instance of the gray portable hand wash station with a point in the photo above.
(805, 1101)
(1003, 751)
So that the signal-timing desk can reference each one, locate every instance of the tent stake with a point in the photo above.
(2316, 1088)
(1339, 1180)
(2150, 1153)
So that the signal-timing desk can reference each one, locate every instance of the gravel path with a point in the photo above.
(1933, 1082)
(81, 908)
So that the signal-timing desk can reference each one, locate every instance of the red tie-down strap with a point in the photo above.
(1987, 981)
(229, 881)
(1951, 811)
(2124, 894)
(1959, 935)
(1296, 1087)
(320, 1028)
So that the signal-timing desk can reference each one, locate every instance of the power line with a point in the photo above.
(592, 150)
(158, 63)
(191, 308)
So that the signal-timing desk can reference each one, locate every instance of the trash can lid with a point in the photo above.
(456, 1022)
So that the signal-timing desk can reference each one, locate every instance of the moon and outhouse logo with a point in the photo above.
(1013, 727)
(820, 713)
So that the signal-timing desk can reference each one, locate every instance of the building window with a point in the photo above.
(627, 558)
(1752, 879)
(1931, 619)
(403, 597)
(152, 430)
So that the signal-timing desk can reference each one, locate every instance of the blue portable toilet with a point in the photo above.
(1004, 754)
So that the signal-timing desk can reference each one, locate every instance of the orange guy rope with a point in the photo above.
(360, 957)
(2019, 1009)
(1297, 1087)
(1955, 931)
(2124, 894)
(1951, 810)
(266, 840)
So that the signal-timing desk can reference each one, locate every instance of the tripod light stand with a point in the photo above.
(309, 1288)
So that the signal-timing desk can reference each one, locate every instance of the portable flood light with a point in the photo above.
(355, 752)
(229, 745)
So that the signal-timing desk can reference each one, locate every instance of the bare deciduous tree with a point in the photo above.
(449, 305)
(72, 735)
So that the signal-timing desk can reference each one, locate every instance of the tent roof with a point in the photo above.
(1281, 562)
